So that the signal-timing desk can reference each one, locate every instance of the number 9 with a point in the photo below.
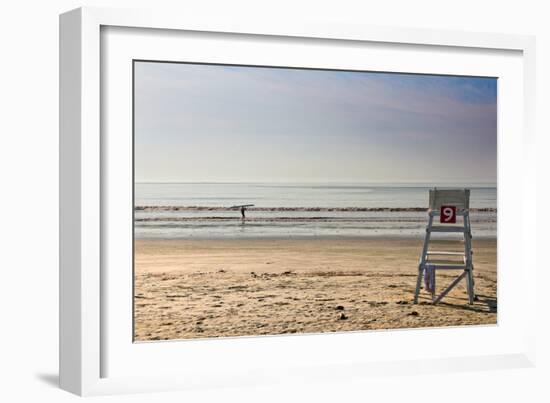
(447, 214)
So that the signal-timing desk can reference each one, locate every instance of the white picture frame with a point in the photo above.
(89, 316)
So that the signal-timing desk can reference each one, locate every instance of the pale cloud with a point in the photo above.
(225, 123)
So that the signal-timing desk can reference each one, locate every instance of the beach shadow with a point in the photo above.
(490, 302)
(49, 379)
(471, 308)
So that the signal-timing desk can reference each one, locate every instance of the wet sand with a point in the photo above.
(215, 288)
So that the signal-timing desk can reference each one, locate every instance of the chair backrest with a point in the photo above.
(452, 197)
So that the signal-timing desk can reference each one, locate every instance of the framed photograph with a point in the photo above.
(244, 203)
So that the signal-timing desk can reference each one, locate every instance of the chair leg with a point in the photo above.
(418, 283)
(474, 285)
(434, 285)
(423, 258)
(468, 259)
(470, 281)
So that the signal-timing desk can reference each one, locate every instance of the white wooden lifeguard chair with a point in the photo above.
(447, 204)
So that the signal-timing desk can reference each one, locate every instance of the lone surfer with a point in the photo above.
(243, 208)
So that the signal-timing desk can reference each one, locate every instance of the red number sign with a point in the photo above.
(447, 215)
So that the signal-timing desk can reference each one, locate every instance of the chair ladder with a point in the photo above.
(466, 265)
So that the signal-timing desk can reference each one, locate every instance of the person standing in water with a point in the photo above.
(243, 208)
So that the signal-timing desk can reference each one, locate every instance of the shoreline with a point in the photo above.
(252, 238)
(302, 209)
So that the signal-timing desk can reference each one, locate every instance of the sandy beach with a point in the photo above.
(218, 288)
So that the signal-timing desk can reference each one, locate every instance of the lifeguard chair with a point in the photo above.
(447, 204)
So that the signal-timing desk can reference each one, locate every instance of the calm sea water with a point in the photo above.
(202, 210)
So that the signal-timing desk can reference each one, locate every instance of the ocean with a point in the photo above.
(295, 210)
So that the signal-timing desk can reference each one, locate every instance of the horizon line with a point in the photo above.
(435, 183)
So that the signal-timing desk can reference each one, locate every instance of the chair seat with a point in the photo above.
(445, 253)
(440, 266)
(445, 228)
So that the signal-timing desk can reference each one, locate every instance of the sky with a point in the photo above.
(212, 123)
